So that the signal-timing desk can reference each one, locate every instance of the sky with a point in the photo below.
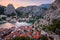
(24, 3)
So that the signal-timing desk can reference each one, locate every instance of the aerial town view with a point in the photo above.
(29, 19)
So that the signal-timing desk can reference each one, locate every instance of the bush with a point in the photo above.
(0, 19)
(22, 38)
(55, 25)
(31, 21)
(44, 37)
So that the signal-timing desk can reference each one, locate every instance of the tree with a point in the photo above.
(20, 14)
(55, 25)
(4, 18)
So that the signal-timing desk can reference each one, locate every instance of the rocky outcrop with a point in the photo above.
(53, 12)
(10, 9)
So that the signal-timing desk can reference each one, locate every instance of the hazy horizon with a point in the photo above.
(24, 3)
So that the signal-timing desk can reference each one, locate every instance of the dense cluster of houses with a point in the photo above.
(22, 31)
(11, 29)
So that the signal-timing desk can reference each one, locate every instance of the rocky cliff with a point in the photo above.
(53, 12)
(10, 9)
(34, 10)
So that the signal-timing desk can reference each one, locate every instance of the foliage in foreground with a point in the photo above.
(28, 38)
(22, 38)
(53, 27)
(44, 37)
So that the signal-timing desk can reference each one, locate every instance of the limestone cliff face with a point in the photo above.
(53, 12)
(34, 10)
(10, 9)
(56, 4)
